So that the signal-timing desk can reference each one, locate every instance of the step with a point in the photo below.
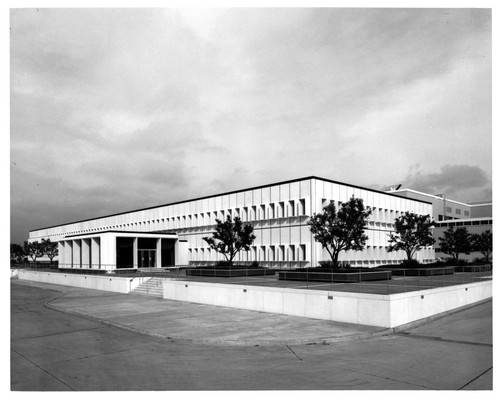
(152, 287)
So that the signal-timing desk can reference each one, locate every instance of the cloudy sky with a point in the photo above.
(118, 109)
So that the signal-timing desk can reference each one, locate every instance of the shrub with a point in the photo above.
(331, 264)
(411, 263)
(222, 263)
(254, 264)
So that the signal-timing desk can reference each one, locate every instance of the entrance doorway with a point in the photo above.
(147, 258)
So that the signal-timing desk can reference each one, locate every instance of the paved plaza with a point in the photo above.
(66, 338)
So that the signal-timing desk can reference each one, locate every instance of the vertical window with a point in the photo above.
(292, 252)
(263, 253)
(245, 214)
(271, 211)
(282, 253)
(281, 208)
(263, 211)
(292, 208)
(303, 252)
(271, 254)
(254, 213)
(302, 207)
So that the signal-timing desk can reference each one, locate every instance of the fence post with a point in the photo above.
(404, 280)
(387, 279)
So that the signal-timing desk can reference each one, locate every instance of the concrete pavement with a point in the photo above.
(54, 350)
(204, 323)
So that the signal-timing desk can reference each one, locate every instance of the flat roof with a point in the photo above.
(138, 233)
(232, 192)
(431, 195)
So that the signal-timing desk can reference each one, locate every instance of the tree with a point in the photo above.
(50, 249)
(483, 242)
(411, 233)
(230, 237)
(33, 250)
(455, 241)
(340, 230)
(16, 253)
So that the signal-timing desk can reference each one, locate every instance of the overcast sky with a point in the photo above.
(118, 109)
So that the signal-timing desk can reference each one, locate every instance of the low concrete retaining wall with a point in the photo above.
(386, 311)
(97, 282)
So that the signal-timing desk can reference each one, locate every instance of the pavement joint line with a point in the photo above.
(294, 353)
(477, 377)
(39, 367)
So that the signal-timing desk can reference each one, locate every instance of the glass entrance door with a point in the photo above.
(147, 258)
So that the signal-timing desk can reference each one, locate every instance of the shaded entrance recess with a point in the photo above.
(125, 252)
(147, 249)
(146, 252)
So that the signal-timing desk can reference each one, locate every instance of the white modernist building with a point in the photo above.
(445, 208)
(171, 234)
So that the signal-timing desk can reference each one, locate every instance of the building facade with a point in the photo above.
(473, 226)
(443, 207)
(172, 234)
(475, 217)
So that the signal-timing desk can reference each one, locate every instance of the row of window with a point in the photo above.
(282, 209)
(256, 253)
(378, 214)
(265, 253)
(458, 211)
(458, 222)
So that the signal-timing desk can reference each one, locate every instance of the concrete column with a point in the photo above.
(68, 254)
(60, 249)
(158, 253)
(108, 251)
(136, 255)
(77, 253)
(181, 252)
(85, 253)
(95, 252)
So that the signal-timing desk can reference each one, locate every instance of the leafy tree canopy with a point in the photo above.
(16, 252)
(455, 241)
(49, 248)
(230, 237)
(341, 230)
(33, 250)
(483, 242)
(412, 232)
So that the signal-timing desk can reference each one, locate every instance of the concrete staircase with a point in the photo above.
(153, 287)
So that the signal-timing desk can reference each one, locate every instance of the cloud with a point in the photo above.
(115, 109)
(459, 182)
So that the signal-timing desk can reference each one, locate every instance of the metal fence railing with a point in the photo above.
(376, 281)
